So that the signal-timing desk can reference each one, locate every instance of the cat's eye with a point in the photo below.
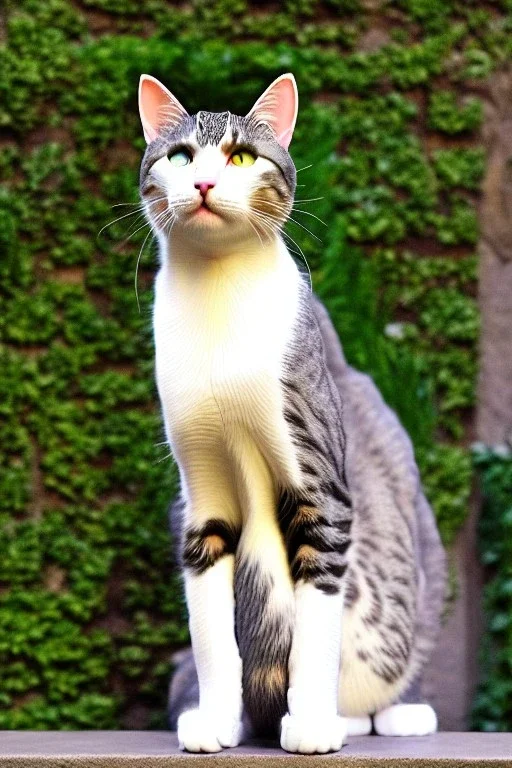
(180, 158)
(243, 158)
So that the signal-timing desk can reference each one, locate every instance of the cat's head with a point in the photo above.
(214, 176)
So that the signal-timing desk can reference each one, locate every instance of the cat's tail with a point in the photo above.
(184, 686)
(433, 563)
(264, 615)
(264, 635)
(264, 627)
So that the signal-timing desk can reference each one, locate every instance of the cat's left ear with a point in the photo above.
(158, 108)
(278, 108)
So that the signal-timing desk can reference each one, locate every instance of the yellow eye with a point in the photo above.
(243, 158)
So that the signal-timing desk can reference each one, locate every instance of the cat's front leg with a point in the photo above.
(208, 557)
(319, 537)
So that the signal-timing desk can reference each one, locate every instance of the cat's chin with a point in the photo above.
(205, 216)
(215, 232)
(206, 225)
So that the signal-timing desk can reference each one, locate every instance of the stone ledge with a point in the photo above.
(159, 749)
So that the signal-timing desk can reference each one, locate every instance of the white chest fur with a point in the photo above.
(222, 327)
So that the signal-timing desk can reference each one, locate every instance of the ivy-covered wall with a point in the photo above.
(388, 138)
(492, 709)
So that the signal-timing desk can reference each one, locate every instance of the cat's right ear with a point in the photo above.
(158, 108)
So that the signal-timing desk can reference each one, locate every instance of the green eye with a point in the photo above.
(179, 159)
(243, 158)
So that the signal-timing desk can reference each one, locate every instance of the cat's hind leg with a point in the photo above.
(359, 726)
(406, 720)
(409, 717)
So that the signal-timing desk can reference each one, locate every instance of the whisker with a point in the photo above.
(301, 252)
(271, 222)
(280, 207)
(130, 235)
(290, 218)
(308, 213)
(170, 220)
(164, 458)
(140, 209)
(298, 223)
(273, 225)
(141, 203)
(249, 214)
(158, 218)
(146, 224)
(120, 218)
(305, 260)
(137, 268)
(267, 227)
(255, 228)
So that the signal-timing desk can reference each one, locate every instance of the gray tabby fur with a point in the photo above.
(209, 127)
(359, 522)
(379, 456)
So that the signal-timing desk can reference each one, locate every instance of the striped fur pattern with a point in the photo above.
(313, 570)
(395, 586)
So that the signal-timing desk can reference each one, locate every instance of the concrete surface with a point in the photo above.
(156, 749)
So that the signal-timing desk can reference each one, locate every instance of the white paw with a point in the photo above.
(359, 726)
(406, 720)
(309, 735)
(202, 732)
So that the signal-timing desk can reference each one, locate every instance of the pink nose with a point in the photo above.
(204, 185)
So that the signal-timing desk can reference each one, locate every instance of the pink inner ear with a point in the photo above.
(157, 106)
(285, 122)
(278, 107)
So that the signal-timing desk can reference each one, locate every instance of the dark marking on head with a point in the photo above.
(211, 127)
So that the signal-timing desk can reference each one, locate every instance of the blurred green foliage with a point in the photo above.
(90, 608)
(492, 709)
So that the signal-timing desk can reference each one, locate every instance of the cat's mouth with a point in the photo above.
(204, 209)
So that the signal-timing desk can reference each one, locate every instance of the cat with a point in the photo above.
(313, 570)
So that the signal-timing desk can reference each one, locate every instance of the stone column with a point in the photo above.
(453, 674)
(494, 412)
